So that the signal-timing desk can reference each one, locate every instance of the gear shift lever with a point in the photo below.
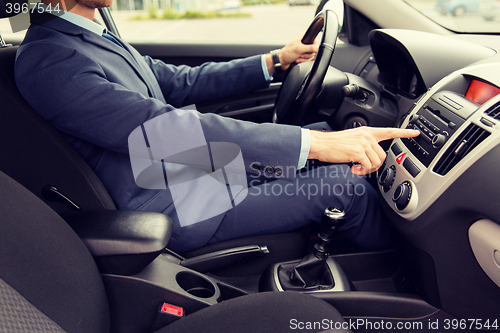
(311, 272)
(333, 218)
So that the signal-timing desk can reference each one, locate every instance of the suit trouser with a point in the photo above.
(278, 205)
(275, 206)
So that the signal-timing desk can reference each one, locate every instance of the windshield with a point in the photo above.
(461, 15)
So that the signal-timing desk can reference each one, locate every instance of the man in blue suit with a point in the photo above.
(96, 90)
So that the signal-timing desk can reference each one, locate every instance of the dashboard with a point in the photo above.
(440, 189)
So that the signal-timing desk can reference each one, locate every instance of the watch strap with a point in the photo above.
(276, 61)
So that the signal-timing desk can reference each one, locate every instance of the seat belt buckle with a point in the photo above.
(167, 314)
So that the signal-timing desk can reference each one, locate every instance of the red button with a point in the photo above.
(172, 309)
(400, 158)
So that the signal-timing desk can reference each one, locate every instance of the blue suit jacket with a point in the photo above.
(96, 93)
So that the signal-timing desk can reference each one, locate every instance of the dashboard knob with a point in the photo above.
(438, 140)
(387, 177)
(350, 90)
(414, 118)
(402, 195)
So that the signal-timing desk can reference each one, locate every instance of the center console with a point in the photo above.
(138, 302)
(149, 287)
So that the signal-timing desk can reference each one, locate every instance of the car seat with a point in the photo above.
(49, 282)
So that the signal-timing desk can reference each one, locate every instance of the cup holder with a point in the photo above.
(195, 285)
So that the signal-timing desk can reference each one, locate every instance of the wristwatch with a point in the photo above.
(276, 61)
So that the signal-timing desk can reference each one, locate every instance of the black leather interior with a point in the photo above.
(122, 242)
(45, 265)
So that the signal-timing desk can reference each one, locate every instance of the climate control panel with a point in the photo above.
(394, 184)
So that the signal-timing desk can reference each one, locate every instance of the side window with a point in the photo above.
(226, 21)
(8, 35)
(233, 21)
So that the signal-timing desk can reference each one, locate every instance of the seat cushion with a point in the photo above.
(18, 315)
(263, 312)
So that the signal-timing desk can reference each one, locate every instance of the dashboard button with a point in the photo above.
(487, 122)
(396, 149)
(411, 167)
(434, 128)
(425, 138)
(400, 158)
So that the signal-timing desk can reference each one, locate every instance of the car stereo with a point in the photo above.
(437, 120)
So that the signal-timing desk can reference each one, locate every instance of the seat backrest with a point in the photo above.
(47, 275)
(34, 154)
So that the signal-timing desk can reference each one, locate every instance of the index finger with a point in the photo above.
(381, 134)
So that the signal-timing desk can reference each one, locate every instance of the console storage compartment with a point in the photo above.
(122, 242)
(135, 300)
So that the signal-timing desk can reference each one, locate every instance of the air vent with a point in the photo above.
(494, 111)
(466, 141)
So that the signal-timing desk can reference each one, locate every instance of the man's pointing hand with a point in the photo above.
(359, 145)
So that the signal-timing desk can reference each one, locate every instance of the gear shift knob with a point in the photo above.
(334, 213)
(333, 218)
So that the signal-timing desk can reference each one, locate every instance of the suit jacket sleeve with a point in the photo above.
(72, 92)
(184, 85)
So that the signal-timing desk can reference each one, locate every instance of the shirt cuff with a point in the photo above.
(264, 69)
(304, 148)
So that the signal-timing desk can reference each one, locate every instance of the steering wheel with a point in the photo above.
(303, 81)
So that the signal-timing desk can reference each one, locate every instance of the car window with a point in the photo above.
(234, 21)
(8, 35)
(461, 15)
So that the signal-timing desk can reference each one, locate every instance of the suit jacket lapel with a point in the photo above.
(126, 53)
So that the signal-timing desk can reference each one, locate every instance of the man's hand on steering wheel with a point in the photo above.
(295, 51)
